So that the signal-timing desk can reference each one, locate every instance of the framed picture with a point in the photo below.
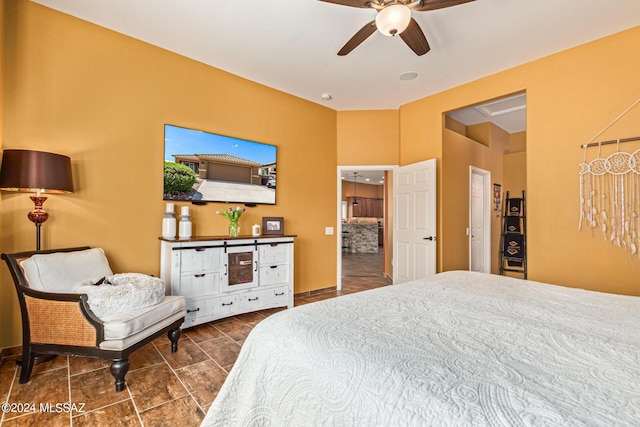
(273, 226)
(497, 196)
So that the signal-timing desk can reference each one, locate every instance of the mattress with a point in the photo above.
(459, 348)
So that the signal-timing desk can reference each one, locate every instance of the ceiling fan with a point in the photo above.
(394, 18)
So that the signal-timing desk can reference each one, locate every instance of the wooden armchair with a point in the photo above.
(57, 321)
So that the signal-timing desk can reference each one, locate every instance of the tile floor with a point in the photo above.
(163, 388)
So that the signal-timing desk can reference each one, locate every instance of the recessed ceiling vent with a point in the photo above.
(503, 106)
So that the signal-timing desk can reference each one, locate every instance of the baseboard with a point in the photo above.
(315, 292)
(10, 352)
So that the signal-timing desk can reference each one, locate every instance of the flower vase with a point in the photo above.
(234, 229)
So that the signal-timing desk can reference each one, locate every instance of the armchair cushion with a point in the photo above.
(121, 329)
(60, 271)
(121, 292)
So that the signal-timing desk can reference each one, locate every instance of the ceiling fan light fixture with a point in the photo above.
(393, 20)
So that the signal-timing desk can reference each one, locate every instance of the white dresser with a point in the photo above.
(222, 276)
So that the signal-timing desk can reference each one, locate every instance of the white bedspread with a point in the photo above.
(456, 350)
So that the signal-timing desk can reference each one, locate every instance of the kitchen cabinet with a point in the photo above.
(367, 207)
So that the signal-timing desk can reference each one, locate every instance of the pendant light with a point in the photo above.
(355, 188)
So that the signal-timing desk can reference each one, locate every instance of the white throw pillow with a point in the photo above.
(60, 271)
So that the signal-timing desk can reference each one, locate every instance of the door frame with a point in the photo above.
(354, 168)
(486, 223)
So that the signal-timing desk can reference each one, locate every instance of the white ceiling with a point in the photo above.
(509, 113)
(371, 177)
(291, 45)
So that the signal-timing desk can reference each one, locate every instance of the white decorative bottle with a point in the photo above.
(169, 223)
(184, 227)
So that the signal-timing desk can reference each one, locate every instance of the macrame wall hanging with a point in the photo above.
(610, 192)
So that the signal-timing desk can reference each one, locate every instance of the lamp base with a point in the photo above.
(38, 216)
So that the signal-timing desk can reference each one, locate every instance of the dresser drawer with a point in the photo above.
(227, 305)
(276, 297)
(200, 259)
(252, 301)
(274, 274)
(275, 252)
(198, 284)
(197, 308)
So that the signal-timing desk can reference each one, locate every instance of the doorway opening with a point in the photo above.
(484, 142)
(363, 228)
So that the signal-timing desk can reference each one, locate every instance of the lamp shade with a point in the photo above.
(393, 19)
(32, 171)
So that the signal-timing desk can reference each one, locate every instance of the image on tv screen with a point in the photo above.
(207, 167)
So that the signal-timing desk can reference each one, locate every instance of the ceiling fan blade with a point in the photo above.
(352, 3)
(415, 39)
(358, 38)
(437, 4)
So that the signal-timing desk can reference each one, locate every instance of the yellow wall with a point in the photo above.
(570, 97)
(514, 174)
(518, 142)
(8, 316)
(367, 137)
(515, 165)
(3, 5)
(102, 98)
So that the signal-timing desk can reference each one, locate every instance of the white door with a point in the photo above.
(414, 221)
(479, 220)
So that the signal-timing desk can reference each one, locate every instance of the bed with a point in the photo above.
(459, 348)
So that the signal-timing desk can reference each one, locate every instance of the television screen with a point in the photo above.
(206, 167)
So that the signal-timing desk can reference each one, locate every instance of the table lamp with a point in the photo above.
(36, 172)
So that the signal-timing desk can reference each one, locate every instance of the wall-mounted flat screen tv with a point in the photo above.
(207, 167)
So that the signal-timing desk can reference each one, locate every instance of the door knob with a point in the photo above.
(432, 238)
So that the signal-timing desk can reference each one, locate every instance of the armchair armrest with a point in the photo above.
(64, 319)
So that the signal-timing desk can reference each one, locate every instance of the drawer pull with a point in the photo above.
(193, 311)
(200, 275)
(245, 263)
(201, 249)
(279, 294)
(274, 266)
(253, 299)
(227, 304)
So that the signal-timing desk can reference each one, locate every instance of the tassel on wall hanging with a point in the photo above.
(610, 192)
